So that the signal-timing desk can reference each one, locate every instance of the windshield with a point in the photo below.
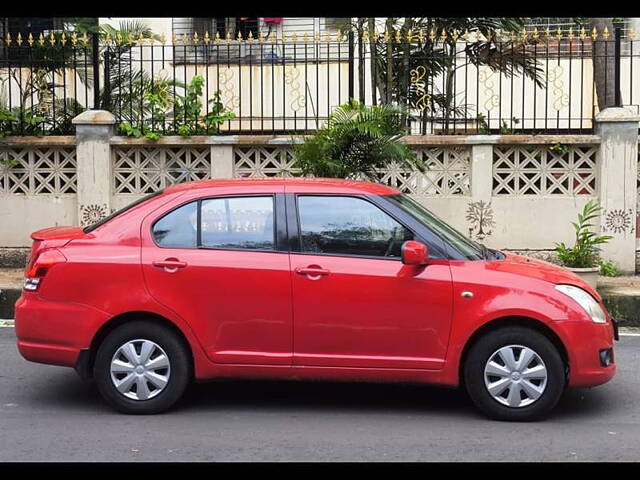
(93, 226)
(463, 246)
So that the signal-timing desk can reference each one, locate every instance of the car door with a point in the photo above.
(355, 304)
(216, 261)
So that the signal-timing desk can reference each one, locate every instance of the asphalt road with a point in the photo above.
(48, 414)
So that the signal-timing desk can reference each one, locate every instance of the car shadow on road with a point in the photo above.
(64, 390)
(326, 396)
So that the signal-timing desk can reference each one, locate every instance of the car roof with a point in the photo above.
(291, 185)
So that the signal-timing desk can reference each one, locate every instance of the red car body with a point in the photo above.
(288, 314)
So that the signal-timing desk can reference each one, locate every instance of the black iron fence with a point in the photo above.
(449, 82)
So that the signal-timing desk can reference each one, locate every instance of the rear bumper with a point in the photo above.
(54, 332)
(584, 341)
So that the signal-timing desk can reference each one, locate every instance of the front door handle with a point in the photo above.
(170, 264)
(312, 271)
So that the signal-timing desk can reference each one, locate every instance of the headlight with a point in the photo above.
(586, 301)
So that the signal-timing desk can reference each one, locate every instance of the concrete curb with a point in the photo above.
(8, 299)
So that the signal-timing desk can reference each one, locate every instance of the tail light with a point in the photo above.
(39, 267)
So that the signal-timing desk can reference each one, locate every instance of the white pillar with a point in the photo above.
(481, 172)
(94, 129)
(618, 173)
(221, 161)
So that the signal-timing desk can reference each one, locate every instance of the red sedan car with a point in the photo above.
(306, 279)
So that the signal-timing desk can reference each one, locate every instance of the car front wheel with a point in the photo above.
(514, 373)
(142, 368)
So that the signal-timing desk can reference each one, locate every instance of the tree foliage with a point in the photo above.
(441, 57)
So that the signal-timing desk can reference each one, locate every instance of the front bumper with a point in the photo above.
(54, 332)
(584, 340)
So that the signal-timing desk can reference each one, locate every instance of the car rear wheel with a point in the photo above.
(142, 368)
(514, 373)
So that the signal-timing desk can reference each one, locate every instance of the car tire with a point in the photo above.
(150, 363)
(518, 392)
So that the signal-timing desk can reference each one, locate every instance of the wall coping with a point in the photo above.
(44, 141)
(24, 141)
(410, 139)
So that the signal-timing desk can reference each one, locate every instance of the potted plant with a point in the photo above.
(583, 257)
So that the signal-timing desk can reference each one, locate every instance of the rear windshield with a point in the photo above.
(92, 227)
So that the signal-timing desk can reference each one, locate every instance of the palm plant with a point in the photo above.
(585, 251)
(357, 142)
(441, 57)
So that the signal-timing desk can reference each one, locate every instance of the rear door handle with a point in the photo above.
(170, 264)
(312, 271)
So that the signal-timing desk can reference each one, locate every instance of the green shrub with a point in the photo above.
(608, 268)
(585, 251)
(356, 142)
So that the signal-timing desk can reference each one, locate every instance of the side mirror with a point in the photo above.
(414, 253)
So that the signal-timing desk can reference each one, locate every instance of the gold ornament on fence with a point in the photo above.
(30, 40)
(555, 78)
(292, 80)
(19, 39)
(605, 33)
(207, 38)
(419, 84)
(228, 88)
(484, 78)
